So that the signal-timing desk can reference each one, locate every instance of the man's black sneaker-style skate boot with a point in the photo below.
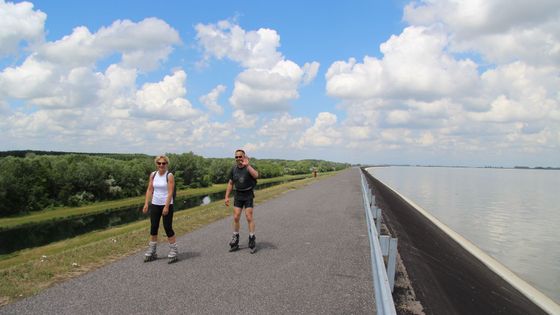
(252, 243)
(234, 243)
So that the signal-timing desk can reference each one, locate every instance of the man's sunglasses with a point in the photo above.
(161, 163)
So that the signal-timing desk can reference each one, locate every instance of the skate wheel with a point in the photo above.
(172, 260)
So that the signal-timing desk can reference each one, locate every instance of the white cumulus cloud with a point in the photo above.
(243, 120)
(62, 73)
(165, 99)
(210, 100)
(19, 23)
(269, 81)
(465, 76)
(323, 133)
(416, 64)
(141, 45)
(501, 30)
(253, 49)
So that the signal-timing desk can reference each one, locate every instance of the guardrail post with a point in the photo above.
(384, 242)
(378, 220)
(392, 262)
(389, 250)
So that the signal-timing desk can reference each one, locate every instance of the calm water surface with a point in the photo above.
(511, 214)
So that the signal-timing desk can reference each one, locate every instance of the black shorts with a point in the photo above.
(243, 203)
(243, 194)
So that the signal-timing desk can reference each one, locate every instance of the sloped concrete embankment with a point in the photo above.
(446, 278)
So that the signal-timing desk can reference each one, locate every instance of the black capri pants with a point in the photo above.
(156, 212)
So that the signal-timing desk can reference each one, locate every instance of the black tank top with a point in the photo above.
(242, 179)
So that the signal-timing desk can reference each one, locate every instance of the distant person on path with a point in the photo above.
(242, 180)
(160, 192)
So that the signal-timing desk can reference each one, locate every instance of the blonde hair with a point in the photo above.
(161, 157)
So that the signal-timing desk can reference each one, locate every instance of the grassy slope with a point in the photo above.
(29, 271)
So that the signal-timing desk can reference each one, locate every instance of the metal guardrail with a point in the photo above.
(382, 283)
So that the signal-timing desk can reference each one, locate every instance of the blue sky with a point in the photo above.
(414, 82)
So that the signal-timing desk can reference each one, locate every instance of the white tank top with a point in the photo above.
(160, 190)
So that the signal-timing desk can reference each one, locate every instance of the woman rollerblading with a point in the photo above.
(159, 202)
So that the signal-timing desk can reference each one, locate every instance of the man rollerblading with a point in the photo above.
(242, 180)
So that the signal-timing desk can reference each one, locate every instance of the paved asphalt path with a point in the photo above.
(313, 258)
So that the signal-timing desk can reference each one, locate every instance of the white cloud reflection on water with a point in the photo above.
(206, 200)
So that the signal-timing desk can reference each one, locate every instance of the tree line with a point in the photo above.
(35, 181)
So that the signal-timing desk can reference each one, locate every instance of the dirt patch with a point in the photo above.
(403, 293)
(4, 300)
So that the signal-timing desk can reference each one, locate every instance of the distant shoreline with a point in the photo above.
(23, 153)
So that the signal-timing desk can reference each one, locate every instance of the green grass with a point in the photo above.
(29, 271)
(52, 214)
